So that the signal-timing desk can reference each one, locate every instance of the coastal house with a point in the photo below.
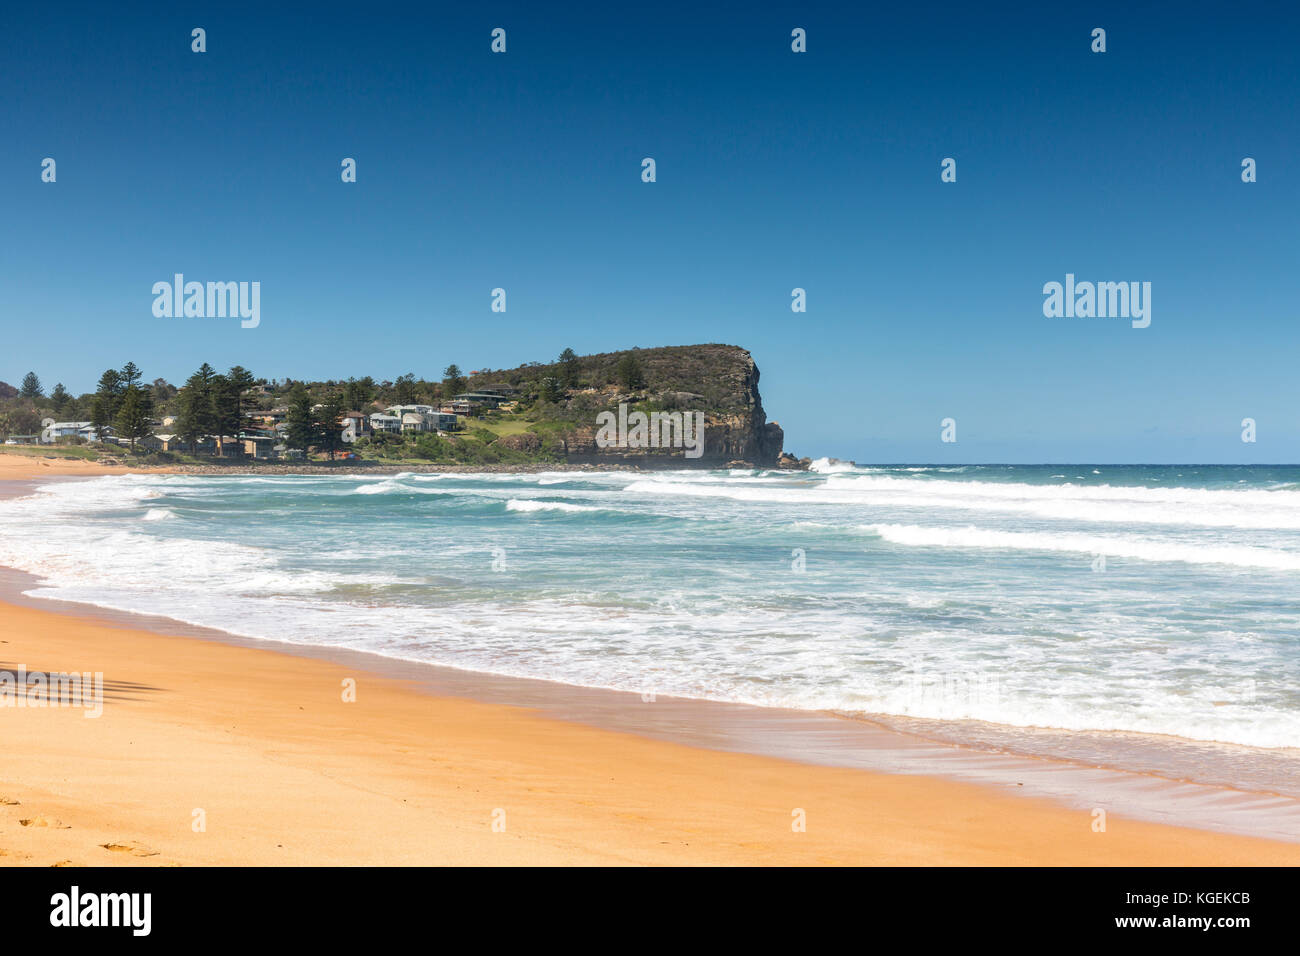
(380, 422)
(259, 447)
(400, 410)
(168, 442)
(53, 431)
(355, 425)
(459, 407)
(483, 398)
(500, 389)
(415, 422)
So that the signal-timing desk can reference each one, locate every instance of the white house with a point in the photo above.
(385, 423)
(355, 425)
(52, 430)
(400, 410)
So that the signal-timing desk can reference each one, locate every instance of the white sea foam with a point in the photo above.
(902, 575)
(1110, 545)
(517, 504)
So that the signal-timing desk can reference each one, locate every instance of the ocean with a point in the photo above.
(996, 604)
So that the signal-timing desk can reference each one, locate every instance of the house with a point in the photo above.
(170, 443)
(380, 422)
(414, 422)
(355, 425)
(53, 431)
(483, 398)
(500, 389)
(400, 410)
(459, 407)
(260, 447)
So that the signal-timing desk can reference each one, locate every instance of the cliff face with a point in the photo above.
(719, 381)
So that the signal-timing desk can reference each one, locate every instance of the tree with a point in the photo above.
(133, 414)
(551, 389)
(629, 372)
(227, 417)
(196, 419)
(404, 389)
(31, 387)
(452, 380)
(22, 419)
(301, 431)
(242, 380)
(359, 393)
(329, 425)
(103, 412)
(130, 375)
(163, 390)
(568, 368)
(60, 398)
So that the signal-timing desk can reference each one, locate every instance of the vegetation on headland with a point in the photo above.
(547, 409)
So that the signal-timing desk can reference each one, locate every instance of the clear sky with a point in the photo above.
(775, 170)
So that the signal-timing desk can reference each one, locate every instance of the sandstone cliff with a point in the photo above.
(720, 381)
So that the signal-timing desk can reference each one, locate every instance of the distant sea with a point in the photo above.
(1151, 599)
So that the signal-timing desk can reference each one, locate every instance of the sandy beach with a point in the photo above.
(214, 753)
(262, 749)
(15, 466)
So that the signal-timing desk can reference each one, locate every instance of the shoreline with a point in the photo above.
(810, 738)
(12, 467)
(260, 747)
(809, 741)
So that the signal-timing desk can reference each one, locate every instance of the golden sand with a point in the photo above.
(261, 748)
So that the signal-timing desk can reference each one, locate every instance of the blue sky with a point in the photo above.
(775, 170)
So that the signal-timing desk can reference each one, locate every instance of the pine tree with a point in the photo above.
(108, 394)
(59, 398)
(31, 387)
(227, 417)
(133, 414)
(569, 368)
(329, 425)
(301, 431)
(242, 380)
(404, 389)
(196, 420)
(359, 393)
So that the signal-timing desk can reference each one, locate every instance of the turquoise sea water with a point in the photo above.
(1156, 599)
